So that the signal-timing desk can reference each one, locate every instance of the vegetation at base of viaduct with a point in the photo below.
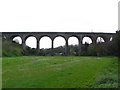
(98, 49)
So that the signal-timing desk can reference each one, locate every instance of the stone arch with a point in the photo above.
(106, 38)
(73, 37)
(59, 36)
(11, 37)
(45, 37)
(100, 39)
(111, 38)
(17, 39)
(27, 36)
(31, 43)
(59, 42)
(73, 43)
(87, 39)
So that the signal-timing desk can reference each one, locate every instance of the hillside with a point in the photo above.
(11, 49)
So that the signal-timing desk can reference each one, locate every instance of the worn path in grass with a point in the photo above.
(53, 71)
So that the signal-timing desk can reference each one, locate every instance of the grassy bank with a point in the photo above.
(59, 72)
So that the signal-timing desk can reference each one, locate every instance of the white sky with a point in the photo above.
(58, 16)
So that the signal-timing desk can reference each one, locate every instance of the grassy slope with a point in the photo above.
(0, 73)
(11, 49)
(0, 62)
(54, 72)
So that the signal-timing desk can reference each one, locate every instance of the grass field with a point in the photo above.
(60, 72)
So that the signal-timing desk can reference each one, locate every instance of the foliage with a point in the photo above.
(109, 48)
(29, 51)
(0, 46)
(74, 50)
(85, 49)
(11, 49)
(117, 42)
(55, 51)
(109, 78)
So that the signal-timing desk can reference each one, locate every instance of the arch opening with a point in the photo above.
(59, 46)
(73, 41)
(73, 46)
(100, 40)
(111, 38)
(87, 40)
(17, 39)
(59, 41)
(45, 42)
(31, 42)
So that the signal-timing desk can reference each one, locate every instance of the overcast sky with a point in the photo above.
(58, 15)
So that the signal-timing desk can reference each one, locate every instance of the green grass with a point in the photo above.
(0, 72)
(59, 72)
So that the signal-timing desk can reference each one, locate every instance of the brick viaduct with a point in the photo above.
(52, 35)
